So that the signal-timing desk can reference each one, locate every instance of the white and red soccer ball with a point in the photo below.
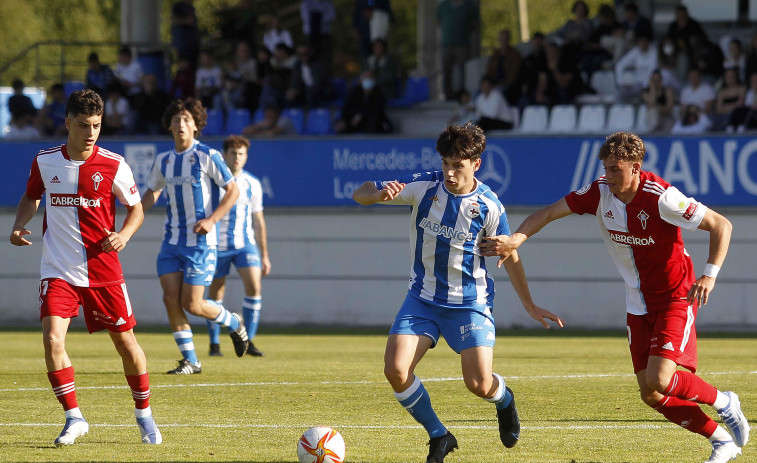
(321, 444)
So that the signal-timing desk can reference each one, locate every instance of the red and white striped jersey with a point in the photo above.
(644, 237)
(80, 201)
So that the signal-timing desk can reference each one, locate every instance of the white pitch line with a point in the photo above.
(321, 383)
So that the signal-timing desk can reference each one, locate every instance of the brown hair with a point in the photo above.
(192, 106)
(623, 146)
(235, 141)
(84, 102)
(461, 141)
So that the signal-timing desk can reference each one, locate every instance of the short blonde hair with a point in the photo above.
(623, 146)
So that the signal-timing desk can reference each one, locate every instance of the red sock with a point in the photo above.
(62, 382)
(686, 414)
(688, 386)
(140, 389)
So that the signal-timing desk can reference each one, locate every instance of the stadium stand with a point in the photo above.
(319, 122)
(534, 119)
(71, 86)
(591, 118)
(214, 125)
(297, 116)
(620, 117)
(562, 119)
(237, 120)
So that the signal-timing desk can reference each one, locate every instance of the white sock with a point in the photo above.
(142, 412)
(721, 401)
(74, 413)
(720, 434)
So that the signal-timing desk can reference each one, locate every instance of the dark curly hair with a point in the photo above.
(461, 141)
(84, 102)
(192, 106)
(623, 146)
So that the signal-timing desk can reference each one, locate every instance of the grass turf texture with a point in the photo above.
(576, 396)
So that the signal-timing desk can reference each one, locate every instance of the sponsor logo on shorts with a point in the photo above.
(667, 346)
(120, 321)
(69, 200)
(490, 336)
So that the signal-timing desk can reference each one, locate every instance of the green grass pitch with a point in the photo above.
(576, 395)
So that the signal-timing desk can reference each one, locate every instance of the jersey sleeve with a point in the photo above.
(124, 186)
(218, 170)
(257, 196)
(678, 209)
(35, 186)
(156, 181)
(415, 186)
(585, 200)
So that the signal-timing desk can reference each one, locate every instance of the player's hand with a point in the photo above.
(390, 190)
(541, 315)
(203, 226)
(17, 237)
(500, 245)
(700, 290)
(113, 241)
(265, 266)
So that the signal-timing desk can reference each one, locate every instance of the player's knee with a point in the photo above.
(54, 342)
(171, 300)
(193, 307)
(395, 375)
(478, 386)
(651, 398)
(657, 381)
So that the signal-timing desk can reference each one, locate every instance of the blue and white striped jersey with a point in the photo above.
(235, 229)
(445, 231)
(188, 178)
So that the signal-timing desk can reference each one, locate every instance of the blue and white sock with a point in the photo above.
(214, 331)
(251, 312)
(417, 402)
(502, 397)
(186, 345)
(224, 317)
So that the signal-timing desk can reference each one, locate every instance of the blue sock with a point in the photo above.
(214, 331)
(186, 346)
(251, 311)
(417, 402)
(224, 317)
(502, 397)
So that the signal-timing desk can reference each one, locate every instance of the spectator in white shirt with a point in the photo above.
(698, 93)
(208, 79)
(492, 110)
(693, 121)
(129, 72)
(276, 35)
(633, 69)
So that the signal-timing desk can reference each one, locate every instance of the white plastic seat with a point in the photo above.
(534, 119)
(562, 119)
(591, 118)
(621, 118)
(641, 120)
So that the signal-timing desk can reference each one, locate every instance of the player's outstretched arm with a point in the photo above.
(204, 226)
(503, 245)
(261, 239)
(27, 207)
(368, 194)
(517, 274)
(116, 241)
(720, 238)
(149, 198)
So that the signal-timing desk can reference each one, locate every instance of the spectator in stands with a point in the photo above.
(19, 104)
(310, 83)
(99, 76)
(708, 57)
(534, 62)
(128, 72)
(149, 106)
(698, 93)
(275, 34)
(264, 63)
(692, 121)
(231, 95)
(183, 83)
(635, 24)
(492, 110)
(464, 110)
(52, 118)
(659, 99)
(537, 92)
(273, 123)
(185, 35)
(238, 23)
(682, 29)
(117, 109)
(503, 68)
(575, 33)
(277, 80)
(317, 19)
(736, 58)
(745, 116)
(564, 79)
(385, 67)
(22, 128)
(364, 109)
(606, 41)
(672, 63)
(632, 71)
(251, 80)
(371, 19)
(751, 57)
(731, 95)
(458, 19)
(208, 79)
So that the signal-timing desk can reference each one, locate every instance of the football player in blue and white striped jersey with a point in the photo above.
(450, 292)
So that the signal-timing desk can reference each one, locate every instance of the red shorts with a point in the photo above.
(105, 307)
(667, 332)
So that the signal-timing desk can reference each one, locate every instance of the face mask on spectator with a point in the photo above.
(367, 84)
(668, 49)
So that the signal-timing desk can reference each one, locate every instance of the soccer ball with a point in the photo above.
(321, 444)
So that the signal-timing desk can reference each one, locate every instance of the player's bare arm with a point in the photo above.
(203, 226)
(368, 194)
(517, 274)
(116, 241)
(720, 238)
(503, 245)
(27, 207)
(149, 198)
(261, 237)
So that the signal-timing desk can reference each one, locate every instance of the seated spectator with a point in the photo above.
(632, 71)
(693, 121)
(19, 104)
(277, 80)
(464, 110)
(751, 57)
(736, 58)
(708, 57)
(503, 67)
(364, 109)
(745, 116)
(275, 35)
(231, 95)
(672, 63)
(533, 63)
(273, 123)
(208, 79)
(492, 110)
(22, 128)
(682, 29)
(386, 69)
(606, 39)
(183, 83)
(538, 92)
(697, 93)
(99, 76)
(128, 72)
(149, 106)
(52, 118)
(116, 113)
(576, 32)
(635, 24)
(730, 96)
(659, 100)
(310, 83)
(564, 79)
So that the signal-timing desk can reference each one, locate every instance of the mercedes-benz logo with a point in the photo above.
(495, 169)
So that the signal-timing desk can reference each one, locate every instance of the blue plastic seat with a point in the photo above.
(297, 116)
(237, 120)
(214, 124)
(319, 122)
(416, 90)
(71, 86)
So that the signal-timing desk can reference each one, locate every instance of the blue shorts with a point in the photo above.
(245, 257)
(197, 263)
(461, 328)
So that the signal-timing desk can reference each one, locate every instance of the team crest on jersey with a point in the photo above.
(584, 189)
(97, 178)
(643, 216)
(473, 211)
(192, 160)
